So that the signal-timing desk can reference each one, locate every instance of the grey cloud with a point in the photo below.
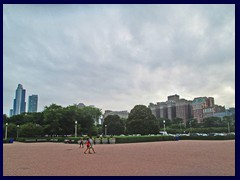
(116, 56)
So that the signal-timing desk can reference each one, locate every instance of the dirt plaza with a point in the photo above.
(167, 158)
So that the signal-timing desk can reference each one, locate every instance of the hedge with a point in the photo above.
(228, 137)
(133, 139)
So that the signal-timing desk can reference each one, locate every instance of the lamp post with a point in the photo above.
(6, 131)
(190, 127)
(17, 130)
(75, 128)
(164, 125)
(228, 128)
(105, 130)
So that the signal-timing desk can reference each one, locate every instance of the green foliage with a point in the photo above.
(142, 121)
(6, 140)
(115, 125)
(177, 120)
(132, 139)
(167, 122)
(212, 122)
(192, 123)
(30, 130)
(229, 137)
(11, 130)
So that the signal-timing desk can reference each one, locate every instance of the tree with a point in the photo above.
(177, 120)
(192, 123)
(142, 121)
(11, 130)
(5, 119)
(115, 125)
(167, 122)
(52, 116)
(212, 122)
(31, 130)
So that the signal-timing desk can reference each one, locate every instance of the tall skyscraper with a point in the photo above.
(32, 103)
(19, 104)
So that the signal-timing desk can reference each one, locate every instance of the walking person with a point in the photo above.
(88, 144)
(91, 144)
(81, 143)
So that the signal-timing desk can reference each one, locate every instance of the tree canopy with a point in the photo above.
(142, 121)
(115, 125)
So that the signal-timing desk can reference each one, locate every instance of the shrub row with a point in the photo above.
(71, 140)
(8, 140)
(228, 137)
(133, 139)
(129, 139)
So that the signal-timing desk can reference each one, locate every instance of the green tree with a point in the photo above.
(52, 116)
(30, 130)
(212, 122)
(167, 122)
(192, 123)
(5, 119)
(177, 120)
(11, 130)
(115, 125)
(142, 121)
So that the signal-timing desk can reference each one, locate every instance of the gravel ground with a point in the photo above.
(169, 158)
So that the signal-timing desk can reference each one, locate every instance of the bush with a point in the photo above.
(133, 139)
(6, 140)
(228, 137)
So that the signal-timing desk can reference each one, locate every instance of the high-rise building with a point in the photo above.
(171, 109)
(183, 109)
(32, 103)
(11, 113)
(163, 109)
(19, 104)
(203, 107)
(173, 98)
(153, 108)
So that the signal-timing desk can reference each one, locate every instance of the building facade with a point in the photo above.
(32, 103)
(203, 107)
(121, 114)
(183, 110)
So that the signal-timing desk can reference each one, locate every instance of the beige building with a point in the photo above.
(121, 114)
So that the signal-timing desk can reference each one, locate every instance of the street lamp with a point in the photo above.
(75, 128)
(105, 130)
(164, 125)
(190, 127)
(228, 128)
(6, 131)
(17, 130)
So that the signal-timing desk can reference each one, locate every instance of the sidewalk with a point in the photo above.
(168, 158)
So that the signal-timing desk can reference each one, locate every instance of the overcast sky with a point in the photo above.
(118, 56)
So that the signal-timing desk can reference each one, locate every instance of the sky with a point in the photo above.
(117, 56)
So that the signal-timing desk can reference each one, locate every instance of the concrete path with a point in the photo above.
(170, 158)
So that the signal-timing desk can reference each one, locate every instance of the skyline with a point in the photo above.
(118, 56)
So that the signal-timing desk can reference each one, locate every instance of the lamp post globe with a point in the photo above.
(75, 129)
(164, 125)
(105, 130)
(6, 131)
(17, 130)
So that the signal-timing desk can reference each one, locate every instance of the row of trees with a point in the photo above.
(58, 120)
(54, 120)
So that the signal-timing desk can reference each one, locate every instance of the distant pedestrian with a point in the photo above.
(91, 144)
(88, 144)
(81, 143)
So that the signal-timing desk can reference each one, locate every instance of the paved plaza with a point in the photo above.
(167, 158)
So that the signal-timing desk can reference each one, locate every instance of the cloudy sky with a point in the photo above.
(118, 56)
